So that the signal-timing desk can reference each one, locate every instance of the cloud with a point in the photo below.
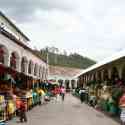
(23, 10)
(93, 28)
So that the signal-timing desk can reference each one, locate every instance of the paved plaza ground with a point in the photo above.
(69, 112)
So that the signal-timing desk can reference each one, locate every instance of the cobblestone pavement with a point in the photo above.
(69, 112)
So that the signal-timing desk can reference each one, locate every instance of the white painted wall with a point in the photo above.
(13, 47)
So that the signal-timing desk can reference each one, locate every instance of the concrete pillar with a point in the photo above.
(18, 65)
(120, 72)
(75, 84)
(63, 83)
(7, 60)
(82, 79)
(70, 84)
(120, 69)
(37, 74)
(32, 69)
(96, 76)
(26, 67)
(88, 78)
(85, 79)
(109, 73)
(102, 75)
(92, 77)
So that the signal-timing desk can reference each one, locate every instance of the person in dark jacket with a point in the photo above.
(82, 94)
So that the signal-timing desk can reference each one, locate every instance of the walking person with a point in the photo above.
(122, 107)
(82, 94)
(63, 93)
(23, 117)
(56, 92)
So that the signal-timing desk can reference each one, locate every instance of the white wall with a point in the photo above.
(13, 47)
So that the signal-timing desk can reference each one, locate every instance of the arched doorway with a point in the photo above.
(14, 60)
(105, 75)
(24, 64)
(35, 70)
(4, 55)
(60, 81)
(99, 77)
(67, 84)
(94, 77)
(73, 84)
(114, 75)
(30, 67)
(40, 72)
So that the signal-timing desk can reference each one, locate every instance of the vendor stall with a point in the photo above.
(2, 108)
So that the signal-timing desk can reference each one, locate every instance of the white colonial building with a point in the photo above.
(64, 76)
(15, 52)
(109, 69)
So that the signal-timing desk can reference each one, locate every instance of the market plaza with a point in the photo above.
(23, 72)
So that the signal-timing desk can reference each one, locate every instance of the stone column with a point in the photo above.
(18, 65)
(7, 60)
(84, 80)
(32, 69)
(120, 69)
(64, 83)
(102, 75)
(96, 76)
(26, 67)
(120, 72)
(75, 84)
(92, 77)
(109, 73)
(70, 84)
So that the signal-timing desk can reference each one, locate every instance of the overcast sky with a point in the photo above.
(93, 28)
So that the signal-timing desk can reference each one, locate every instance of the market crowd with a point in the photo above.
(107, 96)
(16, 102)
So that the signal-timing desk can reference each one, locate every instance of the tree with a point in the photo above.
(64, 52)
(73, 60)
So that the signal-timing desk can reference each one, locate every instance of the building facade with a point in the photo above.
(110, 69)
(64, 76)
(15, 52)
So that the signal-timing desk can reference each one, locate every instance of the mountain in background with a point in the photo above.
(56, 58)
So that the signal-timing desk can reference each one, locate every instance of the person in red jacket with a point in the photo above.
(23, 116)
(57, 92)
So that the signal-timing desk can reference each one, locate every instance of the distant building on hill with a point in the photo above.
(64, 76)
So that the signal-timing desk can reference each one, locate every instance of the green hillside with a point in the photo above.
(56, 59)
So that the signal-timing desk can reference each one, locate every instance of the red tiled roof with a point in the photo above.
(63, 71)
